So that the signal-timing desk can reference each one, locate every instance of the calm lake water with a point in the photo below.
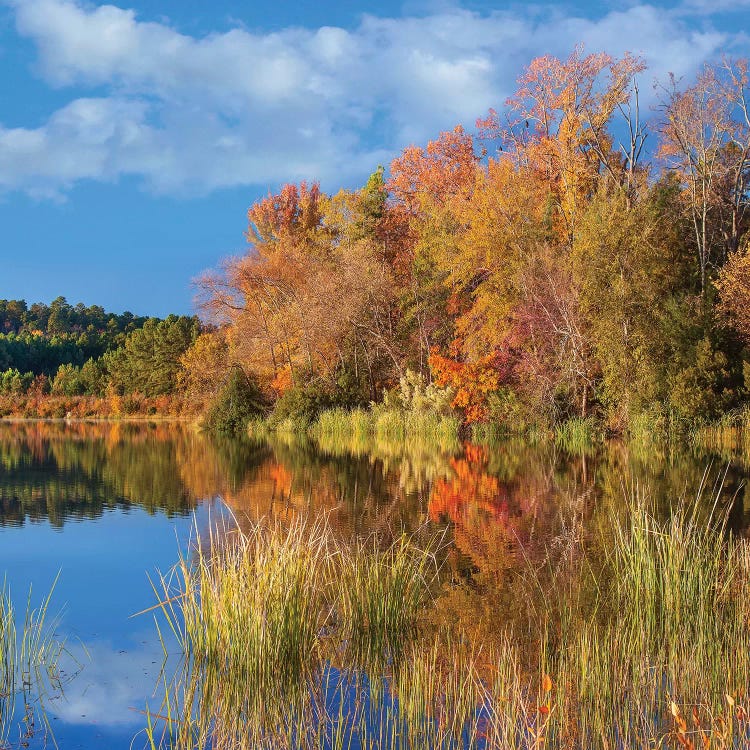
(103, 508)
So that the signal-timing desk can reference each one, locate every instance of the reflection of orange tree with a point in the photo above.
(506, 507)
(286, 481)
(287, 491)
(490, 517)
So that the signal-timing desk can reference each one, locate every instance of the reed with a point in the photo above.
(729, 437)
(380, 595)
(259, 612)
(386, 423)
(576, 435)
(29, 656)
(295, 639)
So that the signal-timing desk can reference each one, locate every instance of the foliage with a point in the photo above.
(203, 366)
(701, 391)
(734, 288)
(549, 269)
(77, 352)
(39, 338)
(554, 265)
(14, 382)
(415, 395)
(149, 361)
(235, 404)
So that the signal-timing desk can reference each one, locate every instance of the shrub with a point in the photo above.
(236, 403)
(701, 391)
(68, 381)
(301, 405)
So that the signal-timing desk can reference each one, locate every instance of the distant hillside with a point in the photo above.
(38, 338)
(77, 350)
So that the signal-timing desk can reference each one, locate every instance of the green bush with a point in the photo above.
(702, 391)
(14, 382)
(236, 403)
(301, 405)
(68, 381)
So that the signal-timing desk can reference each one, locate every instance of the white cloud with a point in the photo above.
(110, 686)
(194, 114)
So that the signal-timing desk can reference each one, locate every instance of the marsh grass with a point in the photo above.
(29, 674)
(656, 655)
(382, 423)
(728, 438)
(417, 447)
(362, 427)
(259, 613)
(380, 593)
(577, 435)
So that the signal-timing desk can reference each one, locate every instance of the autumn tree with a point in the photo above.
(706, 142)
(633, 272)
(204, 366)
(559, 125)
(426, 185)
(734, 288)
(313, 294)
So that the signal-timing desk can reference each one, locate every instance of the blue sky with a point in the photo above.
(134, 135)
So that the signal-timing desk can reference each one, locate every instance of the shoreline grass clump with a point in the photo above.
(29, 657)
(647, 644)
(413, 410)
(576, 435)
(380, 595)
(729, 437)
(260, 612)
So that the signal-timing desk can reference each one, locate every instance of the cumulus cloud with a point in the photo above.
(110, 686)
(186, 114)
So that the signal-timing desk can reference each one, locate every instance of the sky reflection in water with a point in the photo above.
(107, 506)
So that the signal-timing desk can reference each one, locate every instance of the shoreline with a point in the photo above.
(81, 420)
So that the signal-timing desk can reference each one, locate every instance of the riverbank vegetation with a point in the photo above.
(572, 268)
(61, 360)
(572, 260)
(295, 637)
(29, 673)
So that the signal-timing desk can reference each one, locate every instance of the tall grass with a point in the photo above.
(29, 656)
(729, 437)
(418, 446)
(296, 640)
(362, 426)
(380, 593)
(260, 612)
(389, 424)
(576, 435)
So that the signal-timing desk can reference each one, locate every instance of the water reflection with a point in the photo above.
(101, 502)
(60, 472)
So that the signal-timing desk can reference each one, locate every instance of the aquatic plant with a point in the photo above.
(576, 435)
(258, 611)
(29, 656)
(331, 644)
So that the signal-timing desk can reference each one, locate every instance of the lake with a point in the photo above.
(103, 508)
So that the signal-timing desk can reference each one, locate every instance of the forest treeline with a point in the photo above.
(582, 256)
(61, 350)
